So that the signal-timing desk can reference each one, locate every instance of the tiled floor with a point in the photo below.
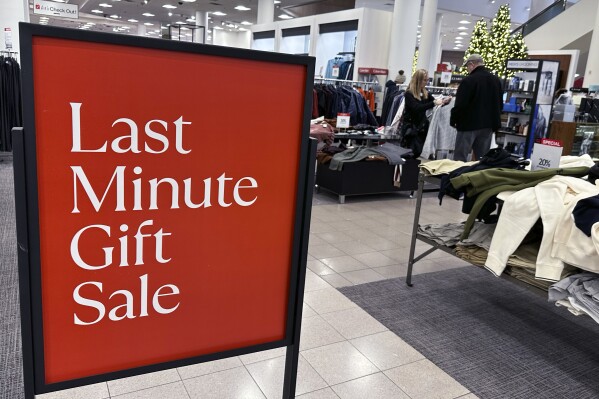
(344, 352)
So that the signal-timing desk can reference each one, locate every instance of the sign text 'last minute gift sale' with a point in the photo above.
(118, 242)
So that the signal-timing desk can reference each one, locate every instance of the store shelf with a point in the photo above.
(510, 133)
(516, 113)
(526, 92)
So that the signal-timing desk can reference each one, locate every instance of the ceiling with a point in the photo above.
(126, 16)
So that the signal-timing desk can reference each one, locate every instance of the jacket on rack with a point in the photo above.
(391, 91)
(479, 101)
(551, 200)
(441, 136)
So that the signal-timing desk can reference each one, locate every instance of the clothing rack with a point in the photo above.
(9, 53)
(348, 82)
(434, 89)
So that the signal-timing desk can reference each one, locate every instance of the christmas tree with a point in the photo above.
(498, 45)
(500, 38)
(479, 42)
(518, 49)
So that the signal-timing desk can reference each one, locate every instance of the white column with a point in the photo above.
(591, 75)
(11, 13)
(427, 31)
(201, 20)
(403, 37)
(266, 11)
(141, 30)
(436, 47)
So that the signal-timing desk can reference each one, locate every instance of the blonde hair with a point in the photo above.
(416, 87)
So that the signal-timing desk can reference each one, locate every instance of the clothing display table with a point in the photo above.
(367, 177)
(434, 180)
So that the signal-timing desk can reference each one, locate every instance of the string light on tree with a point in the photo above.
(415, 62)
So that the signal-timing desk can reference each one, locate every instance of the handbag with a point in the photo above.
(412, 135)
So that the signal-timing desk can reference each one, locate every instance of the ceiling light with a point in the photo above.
(242, 8)
(147, 14)
(104, 5)
(180, 23)
(242, 29)
(462, 28)
(132, 20)
(188, 1)
(170, 7)
(456, 48)
(91, 23)
(98, 11)
(170, 14)
(245, 23)
(285, 16)
(464, 21)
(219, 13)
(459, 45)
(148, 24)
(190, 20)
(459, 38)
(218, 28)
(463, 33)
(277, 2)
(114, 16)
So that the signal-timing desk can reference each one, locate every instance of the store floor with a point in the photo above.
(345, 353)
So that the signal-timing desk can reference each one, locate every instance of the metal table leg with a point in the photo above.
(415, 228)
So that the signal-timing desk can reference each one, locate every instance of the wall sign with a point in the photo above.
(522, 64)
(41, 7)
(149, 216)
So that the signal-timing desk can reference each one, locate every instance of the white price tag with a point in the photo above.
(546, 154)
(445, 77)
(8, 38)
(343, 120)
(335, 72)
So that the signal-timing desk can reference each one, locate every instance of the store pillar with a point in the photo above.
(141, 30)
(591, 74)
(200, 35)
(437, 46)
(266, 11)
(428, 30)
(403, 37)
(11, 13)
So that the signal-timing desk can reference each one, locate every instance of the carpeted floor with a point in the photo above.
(496, 338)
(11, 377)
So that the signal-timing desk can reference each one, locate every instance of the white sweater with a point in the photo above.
(548, 200)
(571, 245)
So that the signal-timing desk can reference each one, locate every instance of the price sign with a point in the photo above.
(8, 38)
(335, 72)
(445, 77)
(546, 154)
(342, 120)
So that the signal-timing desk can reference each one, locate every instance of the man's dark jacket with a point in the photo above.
(478, 102)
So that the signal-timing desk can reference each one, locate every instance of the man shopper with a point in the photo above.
(477, 110)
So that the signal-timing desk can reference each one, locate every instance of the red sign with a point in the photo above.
(373, 71)
(158, 173)
(551, 142)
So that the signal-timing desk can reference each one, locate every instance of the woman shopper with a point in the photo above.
(415, 122)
